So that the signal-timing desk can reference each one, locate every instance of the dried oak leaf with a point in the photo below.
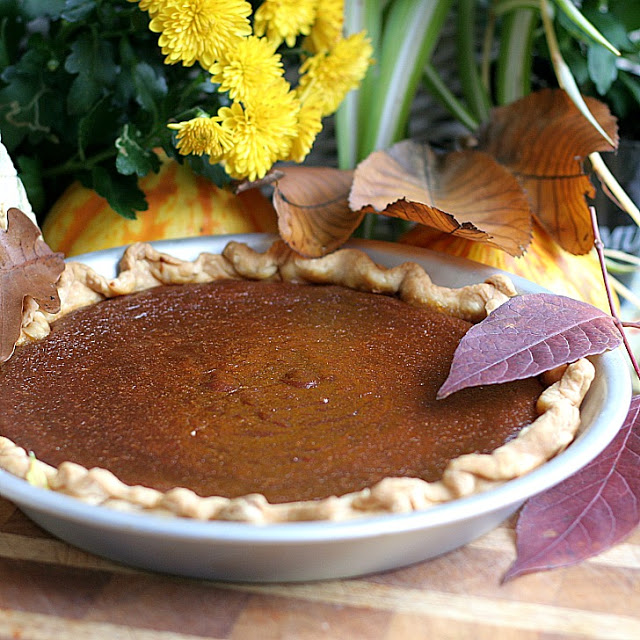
(465, 193)
(314, 217)
(527, 335)
(586, 514)
(542, 139)
(28, 267)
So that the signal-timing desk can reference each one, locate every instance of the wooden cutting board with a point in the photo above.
(50, 590)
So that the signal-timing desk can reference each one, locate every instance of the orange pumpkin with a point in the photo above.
(181, 204)
(544, 263)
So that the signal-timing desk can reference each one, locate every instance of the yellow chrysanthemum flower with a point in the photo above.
(247, 68)
(284, 20)
(261, 131)
(327, 28)
(199, 30)
(330, 75)
(308, 128)
(152, 6)
(202, 135)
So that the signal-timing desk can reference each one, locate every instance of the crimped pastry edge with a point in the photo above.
(142, 267)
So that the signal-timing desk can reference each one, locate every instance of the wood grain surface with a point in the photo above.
(52, 591)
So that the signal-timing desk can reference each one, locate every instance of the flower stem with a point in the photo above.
(599, 245)
(72, 165)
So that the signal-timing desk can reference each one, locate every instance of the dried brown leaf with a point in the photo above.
(465, 193)
(314, 216)
(27, 268)
(543, 139)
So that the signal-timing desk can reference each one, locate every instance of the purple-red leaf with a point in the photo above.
(587, 514)
(526, 336)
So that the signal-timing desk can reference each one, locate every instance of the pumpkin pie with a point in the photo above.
(266, 387)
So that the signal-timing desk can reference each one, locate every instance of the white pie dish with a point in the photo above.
(315, 550)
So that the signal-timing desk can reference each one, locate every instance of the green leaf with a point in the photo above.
(475, 93)
(501, 7)
(212, 172)
(91, 55)
(440, 90)
(625, 98)
(23, 101)
(31, 64)
(10, 35)
(83, 93)
(610, 26)
(632, 84)
(77, 10)
(92, 59)
(358, 16)
(563, 72)
(42, 8)
(132, 156)
(578, 65)
(150, 86)
(121, 192)
(411, 31)
(94, 127)
(30, 173)
(513, 77)
(602, 68)
(574, 14)
(627, 14)
(8, 8)
(124, 89)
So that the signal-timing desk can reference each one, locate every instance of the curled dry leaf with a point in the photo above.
(586, 514)
(526, 336)
(314, 217)
(27, 268)
(465, 193)
(543, 139)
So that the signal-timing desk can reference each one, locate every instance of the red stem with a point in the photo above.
(599, 245)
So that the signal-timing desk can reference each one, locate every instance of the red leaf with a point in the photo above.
(526, 336)
(587, 514)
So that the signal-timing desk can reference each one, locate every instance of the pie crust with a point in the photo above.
(142, 267)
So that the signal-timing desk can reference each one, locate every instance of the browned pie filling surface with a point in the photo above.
(297, 392)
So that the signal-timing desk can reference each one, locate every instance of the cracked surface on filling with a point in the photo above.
(293, 391)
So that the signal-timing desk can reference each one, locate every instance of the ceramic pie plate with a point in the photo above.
(320, 550)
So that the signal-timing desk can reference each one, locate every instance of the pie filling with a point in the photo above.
(296, 392)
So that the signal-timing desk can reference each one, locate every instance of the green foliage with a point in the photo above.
(85, 94)
(121, 192)
(132, 156)
(599, 72)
